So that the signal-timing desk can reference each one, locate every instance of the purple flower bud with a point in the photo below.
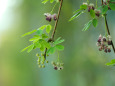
(104, 39)
(48, 18)
(99, 40)
(109, 42)
(55, 68)
(105, 50)
(109, 50)
(100, 49)
(54, 16)
(97, 12)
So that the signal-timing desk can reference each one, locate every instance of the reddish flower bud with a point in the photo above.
(55, 68)
(109, 50)
(109, 42)
(97, 12)
(105, 50)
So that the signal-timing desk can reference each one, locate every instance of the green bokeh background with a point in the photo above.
(84, 64)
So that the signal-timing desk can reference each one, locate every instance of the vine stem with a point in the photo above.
(55, 27)
(107, 27)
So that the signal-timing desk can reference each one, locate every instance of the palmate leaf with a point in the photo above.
(28, 33)
(76, 15)
(87, 25)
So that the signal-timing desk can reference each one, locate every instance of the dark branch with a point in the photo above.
(107, 27)
(55, 27)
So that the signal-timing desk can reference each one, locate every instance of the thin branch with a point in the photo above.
(102, 2)
(57, 20)
(55, 27)
(107, 27)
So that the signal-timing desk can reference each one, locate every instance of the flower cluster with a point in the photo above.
(41, 61)
(58, 65)
(49, 17)
(104, 43)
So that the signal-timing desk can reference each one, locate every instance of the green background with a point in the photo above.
(84, 64)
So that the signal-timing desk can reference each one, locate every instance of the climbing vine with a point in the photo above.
(104, 42)
(44, 40)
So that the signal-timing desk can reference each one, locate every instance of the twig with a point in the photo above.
(102, 2)
(55, 27)
(107, 27)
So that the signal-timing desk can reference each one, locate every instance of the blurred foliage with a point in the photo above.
(84, 64)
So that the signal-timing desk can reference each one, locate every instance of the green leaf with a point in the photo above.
(44, 36)
(95, 22)
(111, 63)
(92, 13)
(48, 28)
(35, 39)
(45, 1)
(47, 45)
(51, 50)
(28, 33)
(25, 48)
(51, 1)
(42, 48)
(39, 32)
(77, 10)
(112, 6)
(83, 7)
(58, 41)
(37, 45)
(104, 9)
(75, 16)
(30, 48)
(42, 27)
(87, 25)
(59, 47)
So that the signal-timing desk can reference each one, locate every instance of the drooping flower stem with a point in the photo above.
(107, 28)
(55, 27)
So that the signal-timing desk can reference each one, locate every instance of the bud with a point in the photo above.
(97, 12)
(85, 3)
(104, 39)
(43, 66)
(105, 50)
(91, 6)
(40, 66)
(55, 68)
(54, 16)
(37, 54)
(109, 42)
(100, 49)
(48, 17)
(109, 50)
